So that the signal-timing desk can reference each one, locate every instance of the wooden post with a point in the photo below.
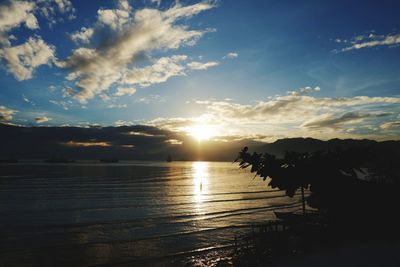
(303, 200)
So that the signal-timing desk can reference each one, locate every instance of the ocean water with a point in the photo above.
(127, 213)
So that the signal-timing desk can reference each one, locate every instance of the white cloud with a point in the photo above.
(6, 114)
(115, 18)
(13, 14)
(22, 60)
(195, 65)
(372, 40)
(163, 69)
(42, 119)
(96, 68)
(82, 36)
(125, 91)
(232, 55)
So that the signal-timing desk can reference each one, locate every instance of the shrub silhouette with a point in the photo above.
(334, 181)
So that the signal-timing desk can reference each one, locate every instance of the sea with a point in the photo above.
(129, 213)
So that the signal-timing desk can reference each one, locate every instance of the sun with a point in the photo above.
(202, 132)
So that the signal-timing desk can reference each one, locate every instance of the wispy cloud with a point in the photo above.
(195, 65)
(125, 91)
(231, 55)
(368, 41)
(66, 105)
(304, 91)
(27, 100)
(336, 121)
(117, 106)
(150, 99)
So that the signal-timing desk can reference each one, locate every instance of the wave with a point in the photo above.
(159, 219)
(150, 205)
(164, 236)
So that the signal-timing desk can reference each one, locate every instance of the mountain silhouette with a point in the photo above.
(141, 142)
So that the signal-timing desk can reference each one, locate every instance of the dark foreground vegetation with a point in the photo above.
(353, 195)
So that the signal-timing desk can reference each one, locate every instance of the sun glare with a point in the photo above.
(202, 132)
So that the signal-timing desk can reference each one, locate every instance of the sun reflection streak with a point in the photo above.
(200, 176)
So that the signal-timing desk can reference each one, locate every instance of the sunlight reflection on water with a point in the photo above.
(200, 176)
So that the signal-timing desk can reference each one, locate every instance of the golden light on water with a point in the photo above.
(200, 176)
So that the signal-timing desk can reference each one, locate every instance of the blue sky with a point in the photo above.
(267, 69)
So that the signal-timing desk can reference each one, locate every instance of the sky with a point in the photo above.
(223, 69)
